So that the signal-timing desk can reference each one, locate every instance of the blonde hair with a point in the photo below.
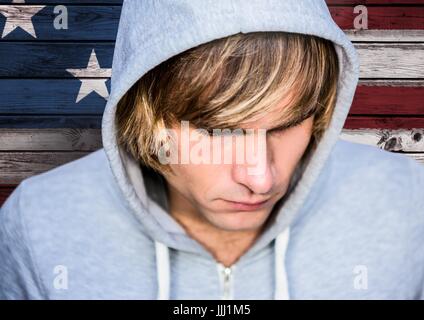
(222, 83)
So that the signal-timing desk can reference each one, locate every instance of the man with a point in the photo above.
(168, 210)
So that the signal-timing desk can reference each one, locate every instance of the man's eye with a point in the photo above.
(209, 132)
(278, 130)
(226, 132)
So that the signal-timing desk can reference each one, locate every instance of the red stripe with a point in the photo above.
(383, 123)
(384, 18)
(5, 191)
(383, 100)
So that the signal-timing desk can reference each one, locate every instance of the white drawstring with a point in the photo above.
(281, 282)
(163, 270)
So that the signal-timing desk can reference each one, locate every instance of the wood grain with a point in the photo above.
(25, 97)
(389, 97)
(390, 140)
(41, 126)
(397, 60)
(85, 22)
(50, 139)
(385, 35)
(47, 96)
(381, 17)
(50, 121)
(384, 122)
(51, 60)
(94, 21)
(378, 60)
(406, 140)
(17, 166)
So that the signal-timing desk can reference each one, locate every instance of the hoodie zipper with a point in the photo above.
(226, 280)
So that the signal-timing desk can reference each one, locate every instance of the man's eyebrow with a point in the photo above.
(284, 126)
(292, 122)
(287, 125)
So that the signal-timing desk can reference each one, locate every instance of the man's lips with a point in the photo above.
(246, 206)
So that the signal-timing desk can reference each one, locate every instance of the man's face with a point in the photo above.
(226, 195)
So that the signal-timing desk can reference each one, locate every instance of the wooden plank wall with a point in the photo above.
(42, 126)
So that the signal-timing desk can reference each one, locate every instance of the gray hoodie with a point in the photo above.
(350, 226)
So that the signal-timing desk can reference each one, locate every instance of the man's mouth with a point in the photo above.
(247, 206)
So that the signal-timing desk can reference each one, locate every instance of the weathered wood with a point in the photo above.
(411, 140)
(391, 82)
(16, 166)
(381, 17)
(378, 60)
(382, 60)
(50, 122)
(385, 35)
(84, 23)
(7, 189)
(50, 139)
(100, 22)
(53, 59)
(390, 140)
(387, 122)
(31, 103)
(27, 97)
(47, 96)
(389, 97)
(94, 122)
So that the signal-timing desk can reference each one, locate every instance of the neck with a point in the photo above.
(226, 246)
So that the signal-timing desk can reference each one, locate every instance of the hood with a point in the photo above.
(152, 31)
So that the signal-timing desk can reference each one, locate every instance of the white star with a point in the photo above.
(19, 16)
(93, 70)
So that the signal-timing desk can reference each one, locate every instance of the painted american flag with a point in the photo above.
(56, 59)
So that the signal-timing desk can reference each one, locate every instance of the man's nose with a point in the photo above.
(257, 177)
